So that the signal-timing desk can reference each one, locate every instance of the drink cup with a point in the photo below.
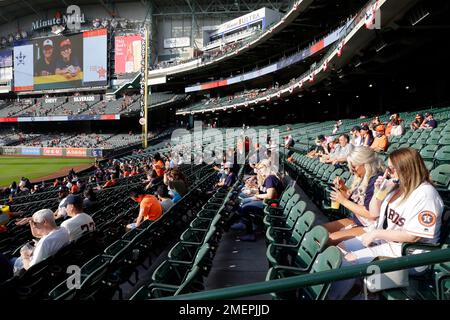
(335, 205)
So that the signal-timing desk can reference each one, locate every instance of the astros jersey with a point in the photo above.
(419, 215)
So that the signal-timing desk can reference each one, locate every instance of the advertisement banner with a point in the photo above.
(171, 43)
(127, 54)
(23, 68)
(98, 153)
(5, 58)
(52, 152)
(53, 100)
(90, 98)
(76, 152)
(94, 56)
(31, 151)
(9, 151)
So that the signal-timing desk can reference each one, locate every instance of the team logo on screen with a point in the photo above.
(427, 218)
(20, 58)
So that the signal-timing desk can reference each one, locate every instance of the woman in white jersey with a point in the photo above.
(411, 212)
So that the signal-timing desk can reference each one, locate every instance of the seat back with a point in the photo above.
(295, 213)
(287, 194)
(312, 244)
(291, 203)
(303, 225)
(441, 176)
(330, 259)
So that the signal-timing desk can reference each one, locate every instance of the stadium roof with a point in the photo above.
(11, 10)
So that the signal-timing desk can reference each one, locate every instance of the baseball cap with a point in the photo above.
(63, 189)
(356, 128)
(380, 128)
(228, 165)
(48, 42)
(366, 128)
(73, 199)
(65, 42)
(428, 114)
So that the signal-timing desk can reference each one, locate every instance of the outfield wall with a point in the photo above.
(55, 152)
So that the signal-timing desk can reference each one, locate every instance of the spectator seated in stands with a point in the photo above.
(319, 149)
(158, 165)
(365, 167)
(376, 121)
(229, 178)
(356, 139)
(163, 196)
(394, 126)
(152, 179)
(380, 143)
(90, 200)
(417, 123)
(110, 181)
(176, 183)
(366, 136)
(79, 222)
(341, 152)
(271, 188)
(5, 216)
(149, 207)
(409, 213)
(51, 239)
(429, 122)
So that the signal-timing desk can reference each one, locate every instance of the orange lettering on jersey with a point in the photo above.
(427, 218)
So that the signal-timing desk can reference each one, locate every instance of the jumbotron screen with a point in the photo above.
(61, 62)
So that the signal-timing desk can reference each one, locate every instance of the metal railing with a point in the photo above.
(291, 283)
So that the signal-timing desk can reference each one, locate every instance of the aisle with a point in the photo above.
(238, 262)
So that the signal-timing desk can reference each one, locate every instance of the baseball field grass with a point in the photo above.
(13, 168)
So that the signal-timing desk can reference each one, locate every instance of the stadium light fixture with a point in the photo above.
(329, 94)
(407, 87)
(370, 85)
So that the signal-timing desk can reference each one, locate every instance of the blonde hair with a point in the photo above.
(264, 169)
(373, 165)
(411, 170)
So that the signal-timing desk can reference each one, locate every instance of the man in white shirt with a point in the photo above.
(356, 136)
(51, 239)
(80, 222)
(61, 212)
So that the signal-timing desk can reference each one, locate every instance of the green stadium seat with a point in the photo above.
(445, 140)
(310, 246)
(428, 152)
(442, 155)
(283, 213)
(330, 259)
(441, 176)
(281, 203)
(283, 225)
(292, 239)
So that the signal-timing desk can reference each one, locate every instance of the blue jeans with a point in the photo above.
(250, 206)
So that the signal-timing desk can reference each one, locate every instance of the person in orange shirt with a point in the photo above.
(380, 143)
(149, 207)
(158, 165)
(111, 182)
